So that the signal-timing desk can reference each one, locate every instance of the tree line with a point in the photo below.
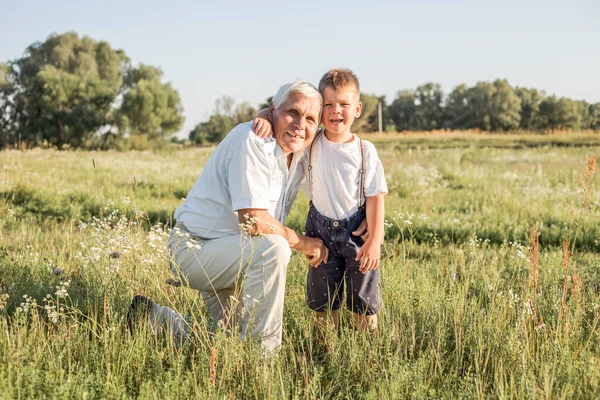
(72, 91)
(75, 92)
(487, 106)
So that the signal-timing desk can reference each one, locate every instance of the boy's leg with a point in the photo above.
(324, 284)
(366, 323)
(324, 288)
(363, 295)
(323, 318)
(362, 290)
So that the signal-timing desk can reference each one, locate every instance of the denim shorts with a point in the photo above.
(328, 283)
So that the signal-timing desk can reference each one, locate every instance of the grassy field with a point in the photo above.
(472, 308)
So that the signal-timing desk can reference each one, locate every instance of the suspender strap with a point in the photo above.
(362, 173)
(310, 189)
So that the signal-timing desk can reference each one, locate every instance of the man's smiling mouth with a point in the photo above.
(295, 136)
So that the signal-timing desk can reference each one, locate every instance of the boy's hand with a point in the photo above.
(369, 256)
(262, 127)
(362, 231)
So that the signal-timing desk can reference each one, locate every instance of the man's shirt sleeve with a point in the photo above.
(249, 174)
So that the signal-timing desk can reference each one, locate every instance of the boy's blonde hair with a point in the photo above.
(339, 78)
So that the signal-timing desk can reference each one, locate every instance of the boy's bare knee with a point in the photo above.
(366, 323)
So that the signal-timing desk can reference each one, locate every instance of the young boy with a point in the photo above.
(346, 183)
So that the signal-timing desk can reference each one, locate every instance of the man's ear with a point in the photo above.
(270, 111)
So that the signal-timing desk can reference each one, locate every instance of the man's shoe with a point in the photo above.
(140, 309)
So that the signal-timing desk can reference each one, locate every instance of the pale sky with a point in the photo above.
(246, 49)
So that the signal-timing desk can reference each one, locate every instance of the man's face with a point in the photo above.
(295, 122)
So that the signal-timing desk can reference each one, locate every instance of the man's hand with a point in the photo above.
(369, 255)
(316, 251)
(259, 220)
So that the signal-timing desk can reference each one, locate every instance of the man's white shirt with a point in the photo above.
(244, 171)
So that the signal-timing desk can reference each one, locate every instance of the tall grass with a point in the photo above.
(477, 304)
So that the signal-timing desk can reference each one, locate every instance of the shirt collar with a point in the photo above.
(279, 154)
(279, 151)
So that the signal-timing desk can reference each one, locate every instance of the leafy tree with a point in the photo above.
(594, 116)
(212, 131)
(402, 111)
(495, 106)
(63, 89)
(243, 112)
(8, 126)
(368, 117)
(478, 105)
(583, 114)
(225, 105)
(505, 107)
(547, 115)
(560, 113)
(198, 134)
(429, 111)
(150, 107)
(67, 90)
(226, 116)
(458, 110)
(388, 124)
(568, 115)
(266, 103)
(530, 106)
(4, 73)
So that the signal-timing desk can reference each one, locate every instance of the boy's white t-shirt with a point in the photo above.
(336, 175)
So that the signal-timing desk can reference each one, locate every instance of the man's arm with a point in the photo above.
(259, 221)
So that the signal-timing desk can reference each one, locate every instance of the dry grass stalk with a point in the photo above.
(575, 284)
(534, 252)
(566, 256)
(586, 185)
(213, 366)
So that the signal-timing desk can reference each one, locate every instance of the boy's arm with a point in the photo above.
(258, 221)
(370, 251)
(262, 124)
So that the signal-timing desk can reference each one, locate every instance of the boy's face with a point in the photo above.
(340, 107)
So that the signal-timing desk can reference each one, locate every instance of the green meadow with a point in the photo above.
(490, 279)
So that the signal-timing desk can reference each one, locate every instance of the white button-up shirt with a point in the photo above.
(244, 171)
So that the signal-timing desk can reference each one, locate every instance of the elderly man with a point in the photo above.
(229, 241)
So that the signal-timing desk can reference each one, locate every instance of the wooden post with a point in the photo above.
(379, 116)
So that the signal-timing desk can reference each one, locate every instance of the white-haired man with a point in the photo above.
(229, 242)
